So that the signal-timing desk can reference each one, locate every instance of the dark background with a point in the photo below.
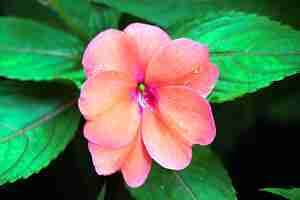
(257, 140)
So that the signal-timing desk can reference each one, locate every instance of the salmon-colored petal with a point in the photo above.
(137, 166)
(107, 161)
(205, 82)
(116, 127)
(187, 113)
(164, 145)
(148, 39)
(102, 91)
(111, 50)
(181, 62)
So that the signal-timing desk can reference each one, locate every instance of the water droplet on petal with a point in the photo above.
(196, 70)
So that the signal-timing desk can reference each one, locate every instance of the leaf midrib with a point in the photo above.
(39, 121)
(39, 51)
(185, 186)
(254, 53)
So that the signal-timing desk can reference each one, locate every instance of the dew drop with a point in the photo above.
(196, 70)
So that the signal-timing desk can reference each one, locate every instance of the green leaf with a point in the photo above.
(37, 121)
(84, 18)
(164, 14)
(32, 51)
(250, 51)
(204, 179)
(170, 12)
(291, 194)
(30, 9)
(102, 193)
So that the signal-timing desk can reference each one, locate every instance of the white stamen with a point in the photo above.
(141, 101)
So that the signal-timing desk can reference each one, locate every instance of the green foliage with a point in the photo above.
(37, 121)
(250, 51)
(164, 14)
(204, 179)
(32, 51)
(170, 12)
(291, 194)
(30, 9)
(86, 19)
(102, 193)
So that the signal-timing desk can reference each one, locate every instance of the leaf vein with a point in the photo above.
(38, 122)
(186, 187)
(254, 53)
(39, 51)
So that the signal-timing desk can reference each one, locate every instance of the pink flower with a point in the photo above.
(144, 99)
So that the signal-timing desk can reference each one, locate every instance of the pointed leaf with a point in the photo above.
(204, 179)
(250, 51)
(37, 121)
(32, 51)
(291, 194)
(170, 12)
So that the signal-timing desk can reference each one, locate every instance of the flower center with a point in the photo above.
(146, 96)
(141, 87)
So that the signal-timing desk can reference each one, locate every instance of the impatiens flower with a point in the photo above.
(144, 99)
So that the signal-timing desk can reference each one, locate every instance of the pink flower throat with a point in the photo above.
(146, 96)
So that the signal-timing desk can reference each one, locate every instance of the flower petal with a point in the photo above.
(148, 39)
(116, 127)
(163, 145)
(181, 62)
(102, 91)
(205, 82)
(111, 50)
(187, 113)
(107, 161)
(137, 166)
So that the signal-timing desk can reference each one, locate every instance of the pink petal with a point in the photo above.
(187, 113)
(180, 63)
(137, 166)
(107, 161)
(103, 91)
(148, 39)
(115, 128)
(164, 145)
(205, 82)
(111, 50)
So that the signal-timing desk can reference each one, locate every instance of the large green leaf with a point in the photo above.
(169, 12)
(250, 51)
(204, 179)
(291, 194)
(30, 9)
(32, 51)
(85, 18)
(37, 121)
(163, 13)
